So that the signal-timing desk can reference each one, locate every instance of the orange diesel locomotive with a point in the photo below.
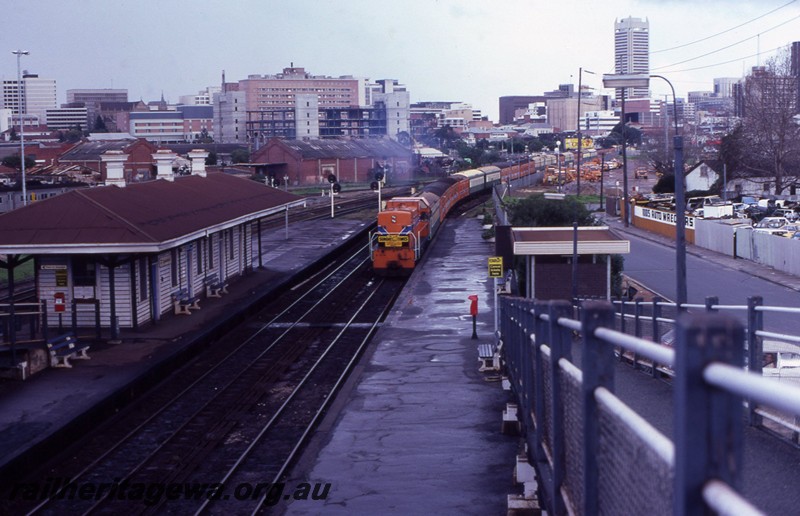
(408, 224)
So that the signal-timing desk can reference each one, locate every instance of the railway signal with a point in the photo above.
(376, 185)
(335, 189)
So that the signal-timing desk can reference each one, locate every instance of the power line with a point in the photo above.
(726, 62)
(726, 47)
(724, 31)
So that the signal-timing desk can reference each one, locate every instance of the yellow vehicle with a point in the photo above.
(641, 173)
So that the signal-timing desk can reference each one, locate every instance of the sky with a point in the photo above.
(472, 51)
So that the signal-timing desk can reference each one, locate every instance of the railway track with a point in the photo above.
(216, 435)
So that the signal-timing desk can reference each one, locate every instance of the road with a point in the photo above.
(652, 263)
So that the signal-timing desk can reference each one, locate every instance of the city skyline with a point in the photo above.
(441, 50)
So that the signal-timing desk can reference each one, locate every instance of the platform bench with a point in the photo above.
(488, 357)
(65, 347)
(215, 287)
(183, 303)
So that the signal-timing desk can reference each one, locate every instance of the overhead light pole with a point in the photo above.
(643, 81)
(580, 137)
(680, 205)
(625, 81)
(19, 54)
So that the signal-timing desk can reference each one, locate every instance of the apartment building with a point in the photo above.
(297, 104)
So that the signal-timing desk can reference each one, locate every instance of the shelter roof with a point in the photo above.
(141, 217)
(346, 148)
(560, 240)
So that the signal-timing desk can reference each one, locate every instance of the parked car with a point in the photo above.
(788, 213)
(771, 225)
(790, 230)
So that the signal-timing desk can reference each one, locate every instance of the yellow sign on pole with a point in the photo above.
(495, 266)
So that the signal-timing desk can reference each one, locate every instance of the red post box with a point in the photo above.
(473, 311)
(59, 304)
(473, 308)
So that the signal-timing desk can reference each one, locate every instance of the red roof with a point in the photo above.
(142, 217)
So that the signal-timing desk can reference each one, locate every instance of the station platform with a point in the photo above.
(38, 415)
(417, 428)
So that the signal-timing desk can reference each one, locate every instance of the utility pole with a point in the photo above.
(19, 54)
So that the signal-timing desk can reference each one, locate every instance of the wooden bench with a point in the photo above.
(183, 303)
(215, 287)
(65, 347)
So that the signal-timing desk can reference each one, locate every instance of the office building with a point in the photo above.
(632, 52)
(91, 100)
(32, 98)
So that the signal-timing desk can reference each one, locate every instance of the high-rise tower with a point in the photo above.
(632, 51)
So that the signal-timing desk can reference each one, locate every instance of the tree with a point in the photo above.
(632, 135)
(665, 184)
(446, 137)
(537, 211)
(211, 159)
(100, 125)
(769, 135)
(73, 135)
(240, 156)
(14, 162)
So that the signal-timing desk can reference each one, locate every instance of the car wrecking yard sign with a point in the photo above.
(495, 266)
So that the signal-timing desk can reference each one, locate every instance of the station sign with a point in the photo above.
(495, 266)
(393, 240)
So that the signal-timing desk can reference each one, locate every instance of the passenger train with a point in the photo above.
(408, 224)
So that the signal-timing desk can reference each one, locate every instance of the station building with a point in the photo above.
(127, 254)
(310, 162)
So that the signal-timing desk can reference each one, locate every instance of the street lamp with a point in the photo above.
(625, 81)
(680, 205)
(580, 138)
(19, 54)
(643, 81)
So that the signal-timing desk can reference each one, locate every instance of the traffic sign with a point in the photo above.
(495, 266)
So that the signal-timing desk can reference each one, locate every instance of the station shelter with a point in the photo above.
(553, 255)
(123, 255)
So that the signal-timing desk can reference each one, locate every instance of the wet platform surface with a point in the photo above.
(419, 430)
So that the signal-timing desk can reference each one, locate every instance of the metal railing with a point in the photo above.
(655, 320)
(596, 455)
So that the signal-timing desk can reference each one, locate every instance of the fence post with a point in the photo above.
(560, 347)
(637, 328)
(543, 335)
(755, 350)
(656, 333)
(710, 302)
(709, 432)
(45, 329)
(598, 371)
(74, 317)
(97, 318)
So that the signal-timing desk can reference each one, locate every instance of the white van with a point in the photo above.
(781, 360)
